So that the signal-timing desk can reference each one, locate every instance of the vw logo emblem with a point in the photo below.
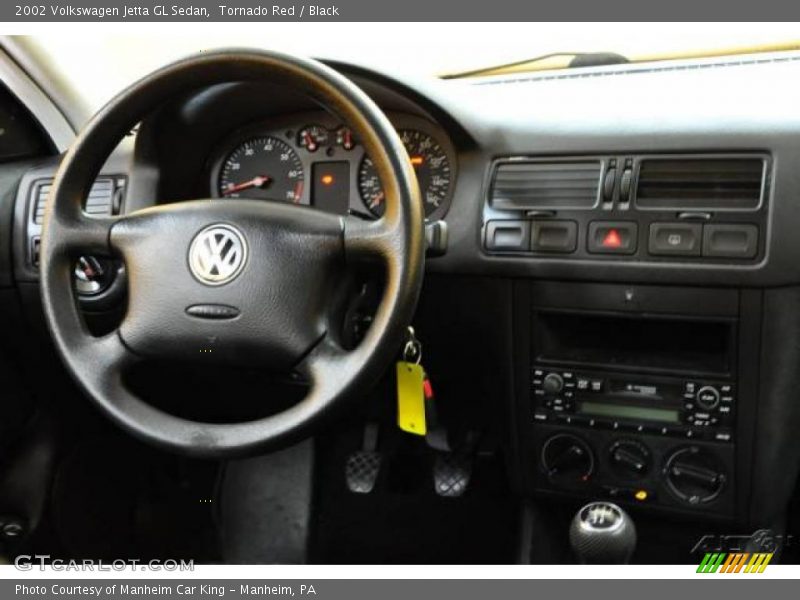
(217, 254)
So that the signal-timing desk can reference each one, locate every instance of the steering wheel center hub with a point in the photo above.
(274, 263)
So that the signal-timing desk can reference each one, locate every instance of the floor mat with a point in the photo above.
(115, 498)
(264, 507)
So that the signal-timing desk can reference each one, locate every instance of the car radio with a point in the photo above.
(624, 400)
(668, 406)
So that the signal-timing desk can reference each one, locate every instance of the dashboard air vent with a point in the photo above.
(700, 183)
(540, 185)
(99, 201)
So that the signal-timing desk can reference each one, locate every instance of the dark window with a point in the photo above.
(20, 134)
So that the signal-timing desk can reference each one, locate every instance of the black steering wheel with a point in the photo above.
(237, 281)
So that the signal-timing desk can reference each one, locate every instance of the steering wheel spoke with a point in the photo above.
(111, 353)
(368, 239)
(320, 365)
(82, 234)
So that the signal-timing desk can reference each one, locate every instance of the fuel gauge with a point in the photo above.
(344, 138)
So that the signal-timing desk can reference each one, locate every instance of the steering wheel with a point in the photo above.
(235, 281)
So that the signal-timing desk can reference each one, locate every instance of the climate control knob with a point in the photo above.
(694, 475)
(567, 459)
(553, 383)
(629, 458)
(707, 397)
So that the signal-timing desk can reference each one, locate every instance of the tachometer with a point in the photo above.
(431, 165)
(263, 168)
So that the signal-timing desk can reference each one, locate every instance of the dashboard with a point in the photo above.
(315, 160)
(616, 322)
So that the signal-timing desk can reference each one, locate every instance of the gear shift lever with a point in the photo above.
(602, 533)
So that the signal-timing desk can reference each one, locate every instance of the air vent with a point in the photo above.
(733, 183)
(548, 185)
(99, 201)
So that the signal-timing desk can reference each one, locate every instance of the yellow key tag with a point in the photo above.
(410, 398)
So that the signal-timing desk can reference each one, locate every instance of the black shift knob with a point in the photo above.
(602, 533)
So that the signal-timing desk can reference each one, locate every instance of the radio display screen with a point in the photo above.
(625, 411)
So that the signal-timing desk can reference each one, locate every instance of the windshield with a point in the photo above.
(98, 66)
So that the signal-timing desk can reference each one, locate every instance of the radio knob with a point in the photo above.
(707, 397)
(553, 383)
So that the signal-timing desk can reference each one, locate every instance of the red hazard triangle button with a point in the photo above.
(611, 239)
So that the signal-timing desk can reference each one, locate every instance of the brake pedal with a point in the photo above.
(451, 474)
(363, 467)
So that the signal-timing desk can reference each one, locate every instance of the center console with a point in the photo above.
(640, 394)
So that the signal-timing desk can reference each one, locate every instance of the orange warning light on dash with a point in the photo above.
(417, 160)
(326, 179)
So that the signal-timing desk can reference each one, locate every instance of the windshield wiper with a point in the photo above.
(578, 60)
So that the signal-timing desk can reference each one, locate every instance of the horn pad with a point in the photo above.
(270, 266)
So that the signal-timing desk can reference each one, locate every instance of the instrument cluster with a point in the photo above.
(314, 160)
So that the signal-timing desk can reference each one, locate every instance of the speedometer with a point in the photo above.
(431, 165)
(262, 168)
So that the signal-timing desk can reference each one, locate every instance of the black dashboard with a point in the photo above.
(627, 259)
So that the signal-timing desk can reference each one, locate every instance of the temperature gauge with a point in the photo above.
(312, 137)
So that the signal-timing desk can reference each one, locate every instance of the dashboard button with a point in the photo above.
(730, 241)
(511, 236)
(559, 237)
(612, 237)
(723, 436)
(670, 239)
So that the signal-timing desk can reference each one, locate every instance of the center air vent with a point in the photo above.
(733, 183)
(546, 185)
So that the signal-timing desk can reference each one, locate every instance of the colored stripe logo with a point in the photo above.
(735, 562)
